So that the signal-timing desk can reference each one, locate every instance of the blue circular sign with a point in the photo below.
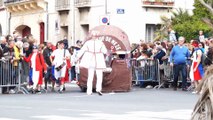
(104, 20)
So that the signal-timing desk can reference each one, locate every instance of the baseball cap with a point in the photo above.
(35, 47)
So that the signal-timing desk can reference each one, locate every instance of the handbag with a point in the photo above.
(60, 66)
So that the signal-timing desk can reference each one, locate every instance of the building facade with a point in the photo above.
(52, 20)
(3, 22)
(138, 18)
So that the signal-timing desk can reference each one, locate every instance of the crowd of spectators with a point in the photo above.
(17, 50)
(166, 52)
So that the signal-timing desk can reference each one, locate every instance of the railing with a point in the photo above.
(158, 3)
(13, 1)
(145, 70)
(82, 3)
(62, 4)
(10, 76)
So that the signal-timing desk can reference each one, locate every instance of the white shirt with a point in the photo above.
(33, 60)
(59, 56)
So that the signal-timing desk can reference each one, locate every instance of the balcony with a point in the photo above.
(158, 3)
(82, 3)
(62, 5)
(17, 6)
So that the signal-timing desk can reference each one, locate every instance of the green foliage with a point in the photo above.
(190, 28)
(189, 25)
(180, 17)
(200, 11)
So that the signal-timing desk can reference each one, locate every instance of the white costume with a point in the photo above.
(35, 75)
(58, 60)
(93, 59)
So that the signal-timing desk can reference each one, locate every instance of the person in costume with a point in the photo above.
(92, 54)
(196, 70)
(38, 66)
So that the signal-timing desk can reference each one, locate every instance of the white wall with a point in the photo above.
(135, 18)
(4, 22)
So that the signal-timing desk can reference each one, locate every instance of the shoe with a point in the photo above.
(60, 90)
(89, 93)
(175, 89)
(194, 92)
(100, 93)
(184, 89)
(63, 89)
(33, 92)
(38, 92)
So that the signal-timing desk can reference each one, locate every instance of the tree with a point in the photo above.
(188, 25)
(162, 33)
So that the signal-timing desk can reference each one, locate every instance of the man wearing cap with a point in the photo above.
(37, 65)
(61, 56)
(93, 59)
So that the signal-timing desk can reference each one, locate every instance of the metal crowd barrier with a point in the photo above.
(145, 70)
(168, 76)
(10, 76)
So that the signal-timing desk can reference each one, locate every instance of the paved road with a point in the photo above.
(139, 104)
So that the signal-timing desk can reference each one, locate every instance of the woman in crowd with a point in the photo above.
(196, 70)
(38, 65)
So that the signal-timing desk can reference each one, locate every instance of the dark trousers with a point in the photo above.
(177, 69)
(73, 73)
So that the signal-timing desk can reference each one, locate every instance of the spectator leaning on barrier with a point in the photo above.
(25, 65)
(38, 65)
(178, 60)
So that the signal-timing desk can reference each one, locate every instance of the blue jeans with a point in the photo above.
(177, 69)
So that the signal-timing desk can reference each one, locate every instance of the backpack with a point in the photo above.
(205, 60)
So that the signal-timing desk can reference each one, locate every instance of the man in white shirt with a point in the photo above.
(60, 56)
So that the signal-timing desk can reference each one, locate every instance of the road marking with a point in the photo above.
(65, 109)
(8, 119)
(16, 107)
(184, 114)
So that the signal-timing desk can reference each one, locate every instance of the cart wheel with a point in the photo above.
(83, 89)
